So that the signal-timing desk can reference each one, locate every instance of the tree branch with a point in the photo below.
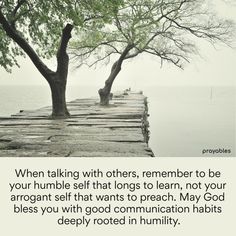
(14, 12)
(19, 4)
(15, 36)
(62, 56)
(124, 54)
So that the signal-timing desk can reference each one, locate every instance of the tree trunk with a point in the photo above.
(58, 92)
(58, 79)
(105, 92)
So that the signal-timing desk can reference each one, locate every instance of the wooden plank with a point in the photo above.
(118, 130)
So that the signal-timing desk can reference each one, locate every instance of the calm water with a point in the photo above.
(184, 121)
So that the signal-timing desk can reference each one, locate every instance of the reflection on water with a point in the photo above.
(184, 121)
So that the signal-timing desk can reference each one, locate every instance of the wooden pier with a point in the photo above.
(119, 130)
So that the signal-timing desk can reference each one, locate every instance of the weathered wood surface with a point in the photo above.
(120, 130)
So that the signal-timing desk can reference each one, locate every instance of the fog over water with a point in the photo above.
(184, 121)
(190, 111)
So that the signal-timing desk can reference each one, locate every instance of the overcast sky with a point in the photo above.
(215, 67)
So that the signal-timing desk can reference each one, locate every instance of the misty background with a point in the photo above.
(190, 110)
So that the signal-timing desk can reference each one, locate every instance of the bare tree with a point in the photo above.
(166, 29)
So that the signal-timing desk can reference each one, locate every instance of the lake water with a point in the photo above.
(184, 121)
